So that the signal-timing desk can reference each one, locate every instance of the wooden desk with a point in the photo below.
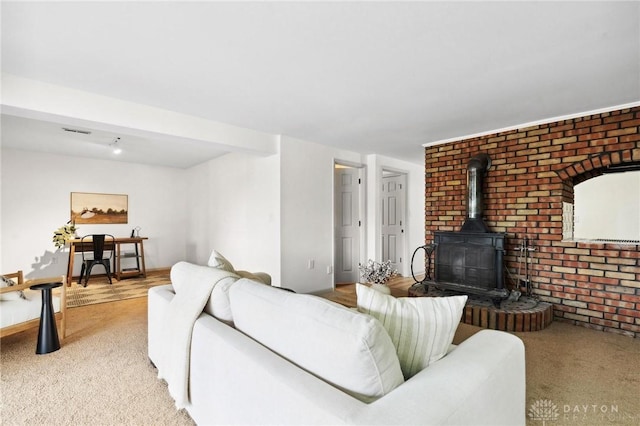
(76, 245)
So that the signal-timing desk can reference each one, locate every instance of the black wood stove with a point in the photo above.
(470, 261)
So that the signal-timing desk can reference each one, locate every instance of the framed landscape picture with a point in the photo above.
(88, 207)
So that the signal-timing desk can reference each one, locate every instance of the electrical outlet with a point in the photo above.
(312, 263)
(54, 260)
(329, 269)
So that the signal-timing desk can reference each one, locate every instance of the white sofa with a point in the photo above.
(246, 368)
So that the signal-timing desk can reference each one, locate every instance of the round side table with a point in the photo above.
(47, 333)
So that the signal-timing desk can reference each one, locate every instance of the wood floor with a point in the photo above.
(345, 294)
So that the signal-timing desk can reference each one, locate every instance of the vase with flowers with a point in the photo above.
(377, 274)
(62, 235)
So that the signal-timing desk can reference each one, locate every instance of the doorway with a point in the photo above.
(394, 190)
(348, 222)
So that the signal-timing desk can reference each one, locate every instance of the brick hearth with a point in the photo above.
(525, 315)
(533, 171)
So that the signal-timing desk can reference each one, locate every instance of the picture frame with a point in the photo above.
(96, 208)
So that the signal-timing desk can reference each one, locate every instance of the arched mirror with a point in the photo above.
(607, 208)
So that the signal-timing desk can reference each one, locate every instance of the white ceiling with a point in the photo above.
(371, 77)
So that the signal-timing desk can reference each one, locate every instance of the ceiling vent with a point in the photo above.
(84, 132)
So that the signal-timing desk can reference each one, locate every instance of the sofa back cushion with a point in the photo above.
(345, 348)
(185, 273)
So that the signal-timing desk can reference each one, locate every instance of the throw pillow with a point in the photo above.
(421, 328)
(382, 288)
(216, 260)
(11, 295)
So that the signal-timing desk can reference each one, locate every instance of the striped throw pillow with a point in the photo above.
(421, 328)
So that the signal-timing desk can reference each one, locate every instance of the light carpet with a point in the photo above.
(100, 376)
(99, 290)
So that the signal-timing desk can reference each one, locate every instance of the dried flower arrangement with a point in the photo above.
(63, 234)
(377, 272)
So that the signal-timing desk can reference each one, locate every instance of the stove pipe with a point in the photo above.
(476, 169)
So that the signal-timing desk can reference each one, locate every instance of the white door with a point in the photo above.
(347, 224)
(393, 207)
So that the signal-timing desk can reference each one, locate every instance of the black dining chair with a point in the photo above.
(100, 244)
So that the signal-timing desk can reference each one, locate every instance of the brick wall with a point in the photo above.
(533, 171)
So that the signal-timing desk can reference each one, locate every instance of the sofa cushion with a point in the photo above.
(350, 350)
(219, 302)
(184, 273)
(21, 310)
(421, 328)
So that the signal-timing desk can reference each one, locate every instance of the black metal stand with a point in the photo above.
(428, 248)
(47, 333)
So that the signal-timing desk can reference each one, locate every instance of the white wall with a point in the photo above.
(35, 196)
(608, 206)
(270, 214)
(414, 225)
(307, 210)
(234, 208)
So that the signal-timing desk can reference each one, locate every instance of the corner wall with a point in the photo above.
(306, 182)
(233, 207)
(533, 171)
(307, 205)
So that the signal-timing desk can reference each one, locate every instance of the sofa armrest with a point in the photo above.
(26, 284)
(158, 299)
(481, 382)
(17, 287)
